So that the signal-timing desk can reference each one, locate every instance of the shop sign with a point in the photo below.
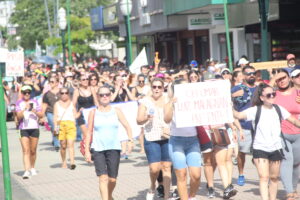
(217, 17)
(110, 16)
(198, 22)
(164, 37)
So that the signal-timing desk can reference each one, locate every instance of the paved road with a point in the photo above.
(55, 183)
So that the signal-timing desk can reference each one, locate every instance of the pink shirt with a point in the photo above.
(290, 104)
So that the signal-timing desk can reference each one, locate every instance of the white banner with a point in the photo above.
(207, 103)
(139, 61)
(14, 64)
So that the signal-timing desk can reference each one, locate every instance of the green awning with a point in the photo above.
(177, 6)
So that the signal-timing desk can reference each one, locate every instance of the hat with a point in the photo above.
(243, 61)
(290, 56)
(26, 87)
(295, 72)
(225, 69)
(160, 75)
(194, 63)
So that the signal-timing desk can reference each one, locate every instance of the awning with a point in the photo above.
(184, 7)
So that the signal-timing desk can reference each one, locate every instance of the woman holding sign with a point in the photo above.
(184, 151)
(150, 114)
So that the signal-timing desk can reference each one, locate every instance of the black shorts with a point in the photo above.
(80, 121)
(30, 133)
(272, 156)
(107, 162)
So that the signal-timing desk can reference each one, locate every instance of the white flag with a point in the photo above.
(139, 61)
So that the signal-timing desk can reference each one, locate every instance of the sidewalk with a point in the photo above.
(55, 183)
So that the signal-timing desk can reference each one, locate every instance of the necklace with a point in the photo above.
(241, 99)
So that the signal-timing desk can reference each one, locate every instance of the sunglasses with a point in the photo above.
(142, 81)
(66, 93)
(93, 79)
(26, 93)
(271, 95)
(157, 87)
(104, 95)
(225, 73)
(298, 75)
(193, 77)
(250, 73)
(124, 75)
(83, 79)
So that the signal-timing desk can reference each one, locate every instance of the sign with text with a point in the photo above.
(270, 64)
(207, 103)
(14, 64)
(198, 22)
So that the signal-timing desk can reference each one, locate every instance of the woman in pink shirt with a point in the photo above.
(286, 97)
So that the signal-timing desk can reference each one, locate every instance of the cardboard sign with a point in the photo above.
(207, 103)
(269, 65)
(14, 63)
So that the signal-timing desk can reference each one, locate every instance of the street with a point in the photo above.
(55, 183)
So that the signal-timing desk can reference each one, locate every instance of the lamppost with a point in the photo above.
(126, 8)
(62, 23)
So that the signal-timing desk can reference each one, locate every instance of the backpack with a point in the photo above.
(257, 116)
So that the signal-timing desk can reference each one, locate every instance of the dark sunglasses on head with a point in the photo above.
(271, 95)
(26, 92)
(62, 93)
(250, 73)
(104, 95)
(157, 87)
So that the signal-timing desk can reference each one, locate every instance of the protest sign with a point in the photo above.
(14, 64)
(269, 65)
(206, 103)
(139, 61)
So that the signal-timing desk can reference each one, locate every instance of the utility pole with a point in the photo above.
(69, 32)
(264, 12)
(227, 35)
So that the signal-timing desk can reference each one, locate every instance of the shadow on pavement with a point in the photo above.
(46, 143)
(19, 173)
(79, 158)
(141, 164)
(127, 161)
(57, 165)
(47, 149)
(140, 195)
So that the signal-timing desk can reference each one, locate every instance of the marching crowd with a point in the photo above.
(266, 124)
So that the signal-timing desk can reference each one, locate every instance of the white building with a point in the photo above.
(6, 9)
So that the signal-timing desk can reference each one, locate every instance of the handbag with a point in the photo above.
(220, 137)
(82, 143)
(202, 135)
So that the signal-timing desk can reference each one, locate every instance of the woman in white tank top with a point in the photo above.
(65, 127)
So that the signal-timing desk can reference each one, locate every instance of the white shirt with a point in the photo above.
(182, 132)
(268, 131)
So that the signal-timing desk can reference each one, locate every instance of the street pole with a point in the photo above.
(4, 143)
(264, 12)
(227, 36)
(63, 47)
(69, 32)
(128, 27)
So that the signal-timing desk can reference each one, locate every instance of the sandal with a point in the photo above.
(290, 196)
(73, 167)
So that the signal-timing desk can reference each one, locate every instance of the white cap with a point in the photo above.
(295, 72)
(243, 61)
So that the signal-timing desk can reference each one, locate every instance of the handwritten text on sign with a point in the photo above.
(15, 63)
(207, 103)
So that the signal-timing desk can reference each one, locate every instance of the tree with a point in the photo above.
(30, 18)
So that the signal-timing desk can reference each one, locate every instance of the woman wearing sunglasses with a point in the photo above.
(194, 76)
(267, 142)
(150, 114)
(94, 82)
(103, 125)
(84, 98)
(28, 113)
(64, 121)
(286, 96)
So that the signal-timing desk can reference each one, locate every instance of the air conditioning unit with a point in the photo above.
(145, 19)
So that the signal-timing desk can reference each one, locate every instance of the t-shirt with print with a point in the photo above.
(30, 120)
(268, 131)
(50, 99)
(243, 102)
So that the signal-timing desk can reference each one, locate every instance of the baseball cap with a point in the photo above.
(26, 87)
(243, 61)
(225, 69)
(295, 72)
(290, 56)
(194, 63)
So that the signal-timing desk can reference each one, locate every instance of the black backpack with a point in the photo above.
(257, 116)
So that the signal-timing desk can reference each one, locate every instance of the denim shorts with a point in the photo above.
(157, 151)
(185, 152)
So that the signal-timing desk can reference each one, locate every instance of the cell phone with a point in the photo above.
(31, 106)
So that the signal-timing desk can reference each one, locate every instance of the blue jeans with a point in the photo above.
(157, 151)
(50, 122)
(78, 133)
(185, 152)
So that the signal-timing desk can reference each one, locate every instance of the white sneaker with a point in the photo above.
(150, 195)
(33, 172)
(26, 175)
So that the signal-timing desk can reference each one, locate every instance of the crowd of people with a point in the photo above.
(266, 123)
